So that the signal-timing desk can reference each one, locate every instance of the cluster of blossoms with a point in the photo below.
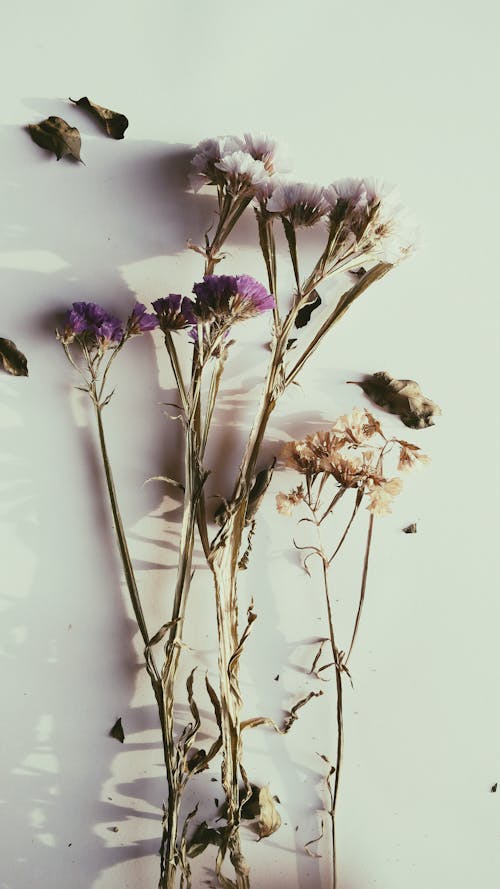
(220, 301)
(330, 454)
(243, 167)
(362, 216)
(93, 327)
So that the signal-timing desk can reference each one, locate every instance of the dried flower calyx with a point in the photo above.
(402, 397)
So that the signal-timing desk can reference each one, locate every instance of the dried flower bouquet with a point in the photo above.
(365, 233)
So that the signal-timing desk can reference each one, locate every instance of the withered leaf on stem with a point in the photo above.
(13, 361)
(116, 731)
(304, 314)
(203, 837)
(55, 134)
(402, 397)
(113, 122)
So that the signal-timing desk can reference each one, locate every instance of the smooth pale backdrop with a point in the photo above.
(402, 91)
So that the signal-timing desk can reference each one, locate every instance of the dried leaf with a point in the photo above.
(269, 817)
(304, 314)
(117, 731)
(55, 134)
(402, 397)
(158, 636)
(13, 361)
(113, 122)
(259, 488)
(410, 529)
(203, 837)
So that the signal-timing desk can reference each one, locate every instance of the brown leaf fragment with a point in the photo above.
(402, 397)
(13, 361)
(55, 134)
(113, 122)
(117, 731)
(493, 788)
(410, 529)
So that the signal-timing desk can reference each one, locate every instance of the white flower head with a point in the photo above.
(303, 203)
(242, 173)
(208, 153)
(392, 232)
(266, 149)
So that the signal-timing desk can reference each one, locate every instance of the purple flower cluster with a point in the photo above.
(174, 312)
(232, 297)
(220, 300)
(140, 321)
(92, 324)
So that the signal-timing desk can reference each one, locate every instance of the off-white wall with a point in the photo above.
(404, 91)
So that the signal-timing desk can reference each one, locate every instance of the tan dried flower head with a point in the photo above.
(357, 427)
(286, 502)
(382, 492)
(410, 455)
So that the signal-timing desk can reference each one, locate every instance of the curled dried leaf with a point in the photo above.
(13, 361)
(401, 397)
(113, 122)
(269, 819)
(55, 134)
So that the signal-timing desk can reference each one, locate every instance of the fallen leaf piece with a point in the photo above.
(113, 122)
(261, 805)
(117, 731)
(402, 397)
(304, 314)
(494, 788)
(410, 529)
(56, 135)
(13, 361)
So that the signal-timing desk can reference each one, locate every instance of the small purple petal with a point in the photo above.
(140, 321)
(174, 312)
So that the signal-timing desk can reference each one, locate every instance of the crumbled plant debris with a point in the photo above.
(117, 731)
(410, 529)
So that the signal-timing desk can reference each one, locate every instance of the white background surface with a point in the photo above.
(402, 91)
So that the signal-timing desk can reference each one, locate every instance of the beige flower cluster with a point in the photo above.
(352, 452)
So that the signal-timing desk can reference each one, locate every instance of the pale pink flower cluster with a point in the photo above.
(365, 218)
(330, 453)
(244, 167)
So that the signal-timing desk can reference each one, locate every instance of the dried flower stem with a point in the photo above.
(363, 586)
